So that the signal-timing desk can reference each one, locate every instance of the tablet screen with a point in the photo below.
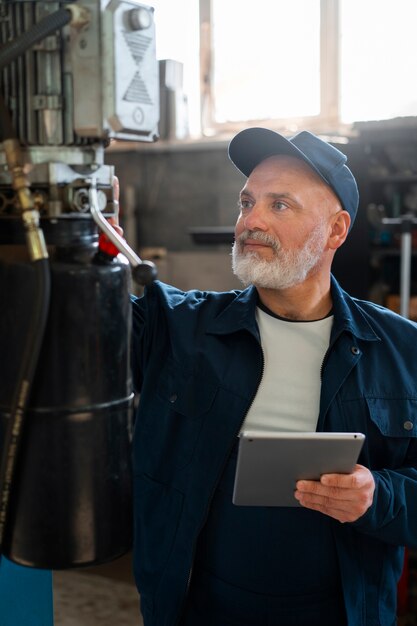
(270, 463)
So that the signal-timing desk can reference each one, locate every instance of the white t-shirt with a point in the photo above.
(288, 397)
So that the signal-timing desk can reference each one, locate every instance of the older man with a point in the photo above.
(291, 352)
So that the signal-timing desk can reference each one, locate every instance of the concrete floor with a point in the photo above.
(100, 596)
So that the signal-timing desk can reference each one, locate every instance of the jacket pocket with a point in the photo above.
(184, 399)
(157, 510)
(188, 394)
(395, 421)
(394, 417)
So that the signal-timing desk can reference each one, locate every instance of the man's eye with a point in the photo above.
(244, 204)
(279, 205)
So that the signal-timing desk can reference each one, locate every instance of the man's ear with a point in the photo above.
(339, 229)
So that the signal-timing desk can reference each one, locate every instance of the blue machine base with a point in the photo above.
(25, 595)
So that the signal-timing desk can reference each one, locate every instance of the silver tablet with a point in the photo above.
(270, 463)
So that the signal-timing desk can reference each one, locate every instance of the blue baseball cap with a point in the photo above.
(252, 145)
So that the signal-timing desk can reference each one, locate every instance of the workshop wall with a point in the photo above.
(176, 189)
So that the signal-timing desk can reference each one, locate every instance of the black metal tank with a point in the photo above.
(71, 497)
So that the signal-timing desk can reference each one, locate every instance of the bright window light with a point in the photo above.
(266, 59)
(378, 59)
(177, 37)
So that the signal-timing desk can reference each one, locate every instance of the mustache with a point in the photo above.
(257, 235)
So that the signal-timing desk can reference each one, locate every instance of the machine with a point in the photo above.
(74, 76)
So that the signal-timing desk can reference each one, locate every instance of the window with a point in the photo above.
(290, 64)
(177, 38)
(378, 59)
(269, 61)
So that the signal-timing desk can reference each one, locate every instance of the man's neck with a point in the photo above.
(307, 301)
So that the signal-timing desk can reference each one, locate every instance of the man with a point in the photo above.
(291, 352)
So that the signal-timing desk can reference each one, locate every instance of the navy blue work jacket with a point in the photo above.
(197, 363)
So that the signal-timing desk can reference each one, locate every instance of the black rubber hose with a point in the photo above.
(39, 313)
(39, 31)
(14, 429)
(30, 357)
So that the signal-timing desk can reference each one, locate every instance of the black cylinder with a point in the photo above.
(71, 496)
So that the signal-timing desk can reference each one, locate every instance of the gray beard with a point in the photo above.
(286, 269)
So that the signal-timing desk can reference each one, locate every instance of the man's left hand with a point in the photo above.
(346, 497)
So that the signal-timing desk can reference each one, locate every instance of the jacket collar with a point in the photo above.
(240, 315)
(349, 316)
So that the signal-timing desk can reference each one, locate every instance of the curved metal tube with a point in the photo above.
(144, 272)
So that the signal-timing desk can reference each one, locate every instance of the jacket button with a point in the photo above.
(173, 398)
(408, 425)
(355, 350)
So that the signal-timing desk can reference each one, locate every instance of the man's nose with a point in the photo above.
(256, 219)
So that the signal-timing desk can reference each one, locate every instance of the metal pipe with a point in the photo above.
(144, 272)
